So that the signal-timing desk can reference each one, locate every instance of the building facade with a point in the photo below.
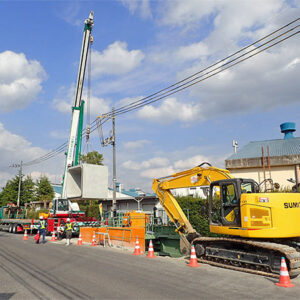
(276, 159)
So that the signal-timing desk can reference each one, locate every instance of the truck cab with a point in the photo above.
(64, 208)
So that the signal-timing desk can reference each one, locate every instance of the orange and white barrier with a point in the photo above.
(25, 237)
(94, 243)
(53, 238)
(137, 249)
(193, 260)
(79, 242)
(284, 279)
(151, 253)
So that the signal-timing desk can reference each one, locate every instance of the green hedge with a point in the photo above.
(197, 210)
(32, 214)
(90, 210)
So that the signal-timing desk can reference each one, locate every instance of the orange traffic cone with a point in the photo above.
(79, 242)
(193, 260)
(94, 243)
(53, 238)
(284, 279)
(151, 253)
(25, 238)
(137, 249)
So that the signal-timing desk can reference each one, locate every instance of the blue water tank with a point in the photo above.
(288, 128)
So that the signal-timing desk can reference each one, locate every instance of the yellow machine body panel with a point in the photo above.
(266, 215)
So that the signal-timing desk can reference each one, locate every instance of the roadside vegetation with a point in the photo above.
(196, 209)
(41, 190)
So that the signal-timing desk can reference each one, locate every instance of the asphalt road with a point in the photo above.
(54, 271)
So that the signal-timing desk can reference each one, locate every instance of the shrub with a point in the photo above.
(197, 211)
(32, 214)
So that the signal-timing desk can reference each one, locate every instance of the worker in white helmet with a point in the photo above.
(68, 229)
(42, 228)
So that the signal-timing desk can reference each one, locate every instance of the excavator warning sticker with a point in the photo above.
(194, 179)
(263, 199)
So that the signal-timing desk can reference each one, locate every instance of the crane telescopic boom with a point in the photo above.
(77, 109)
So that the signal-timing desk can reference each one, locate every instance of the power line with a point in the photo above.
(217, 65)
(184, 83)
(192, 82)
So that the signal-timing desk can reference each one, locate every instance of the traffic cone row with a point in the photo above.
(137, 249)
(284, 279)
(25, 238)
(79, 242)
(94, 243)
(151, 253)
(53, 238)
(193, 260)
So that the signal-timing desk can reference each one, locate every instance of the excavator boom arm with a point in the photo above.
(198, 176)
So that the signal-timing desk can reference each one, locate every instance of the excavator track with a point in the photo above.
(252, 256)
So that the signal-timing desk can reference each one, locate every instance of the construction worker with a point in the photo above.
(68, 229)
(42, 228)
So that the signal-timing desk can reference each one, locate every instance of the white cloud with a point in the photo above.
(116, 59)
(162, 166)
(260, 83)
(134, 145)
(170, 110)
(53, 178)
(191, 162)
(65, 99)
(142, 7)
(128, 100)
(14, 148)
(231, 17)
(153, 162)
(293, 63)
(157, 172)
(192, 51)
(20, 80)
(69, 12)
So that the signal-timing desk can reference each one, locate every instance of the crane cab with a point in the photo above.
(237, 208)
(64, 208)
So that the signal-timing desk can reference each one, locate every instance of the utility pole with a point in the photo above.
(19, 189)
(114, 200)
(111, 140)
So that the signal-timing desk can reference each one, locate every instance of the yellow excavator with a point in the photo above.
(254, 229)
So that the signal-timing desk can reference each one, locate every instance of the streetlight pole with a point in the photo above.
(114, 200)
(19, 189)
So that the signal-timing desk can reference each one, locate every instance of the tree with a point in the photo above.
(9, 193)
(93, 157)
(44, 189)
(28, 190)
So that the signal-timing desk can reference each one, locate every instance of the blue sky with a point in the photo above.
(139, 48)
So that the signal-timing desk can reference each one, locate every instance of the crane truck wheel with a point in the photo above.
(14, 229)
(10, 228)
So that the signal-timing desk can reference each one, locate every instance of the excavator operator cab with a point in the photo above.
(228, 193)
